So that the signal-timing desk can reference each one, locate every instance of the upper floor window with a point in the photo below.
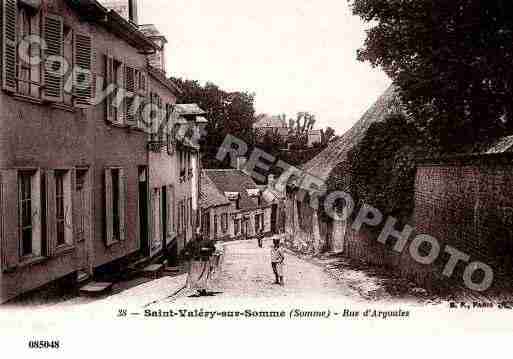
(24, 72)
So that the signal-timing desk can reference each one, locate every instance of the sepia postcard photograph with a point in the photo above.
(287, 176)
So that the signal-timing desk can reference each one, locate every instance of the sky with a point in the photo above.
(295, 55)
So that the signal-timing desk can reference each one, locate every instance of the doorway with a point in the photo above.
(274, 219)
(163, 214)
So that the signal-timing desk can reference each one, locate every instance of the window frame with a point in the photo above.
(37, 250)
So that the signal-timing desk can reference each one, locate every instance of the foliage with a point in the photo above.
(382, 167)
(451, 60)
(227, 113)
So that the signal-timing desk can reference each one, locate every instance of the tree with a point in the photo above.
(451, 61)
(327, 135)
(227, 113)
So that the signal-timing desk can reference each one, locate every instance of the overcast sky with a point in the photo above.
(295, 55)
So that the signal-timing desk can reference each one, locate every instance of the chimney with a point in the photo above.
(241, 163)
(133, 11)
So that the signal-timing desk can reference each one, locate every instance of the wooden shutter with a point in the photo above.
(53, 35)
(123, 201)
(109, 79)
(51, 219)
(109, 223)
(130, 86)
(83, 59)
(69, 217)
(9, 18)
(10, 236)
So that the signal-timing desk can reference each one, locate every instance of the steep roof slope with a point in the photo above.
(210, 196)
(232, 180)
(323, 164)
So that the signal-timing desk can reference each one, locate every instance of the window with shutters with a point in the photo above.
(215, 226)
(29, 209)
(29, 79)
(65, 51)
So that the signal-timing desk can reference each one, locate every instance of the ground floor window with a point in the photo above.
(63, 207)
(29, 210)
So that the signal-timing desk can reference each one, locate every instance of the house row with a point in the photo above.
(84, 184)
(234, 207)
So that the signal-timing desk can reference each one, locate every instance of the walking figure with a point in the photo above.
(277, 261)
(260, 237)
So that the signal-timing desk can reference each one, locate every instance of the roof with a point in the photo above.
(151, 31)
(503, 145)
(325, 162)
(92, 10)
(266, 121)
(232, 180)
(161, 77)
(187, 109)
(210, 196)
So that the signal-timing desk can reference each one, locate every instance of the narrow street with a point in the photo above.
(246, 275)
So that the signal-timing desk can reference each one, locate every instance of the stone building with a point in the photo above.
(94, 188)
(242, 213)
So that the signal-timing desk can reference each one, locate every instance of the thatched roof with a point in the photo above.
(325, 162)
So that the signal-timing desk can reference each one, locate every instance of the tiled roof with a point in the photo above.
(231, 180)
(210, 196)
(323, 164)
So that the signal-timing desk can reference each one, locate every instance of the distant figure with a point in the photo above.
(277, 261)
(260, 237)
(198, 253)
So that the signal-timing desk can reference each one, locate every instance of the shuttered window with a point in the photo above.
(9, 41)
(82, 74)
(53, 30)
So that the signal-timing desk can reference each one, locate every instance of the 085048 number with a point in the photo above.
(44, 344)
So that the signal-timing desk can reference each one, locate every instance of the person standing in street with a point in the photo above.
(260, 237)
(277, 261)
